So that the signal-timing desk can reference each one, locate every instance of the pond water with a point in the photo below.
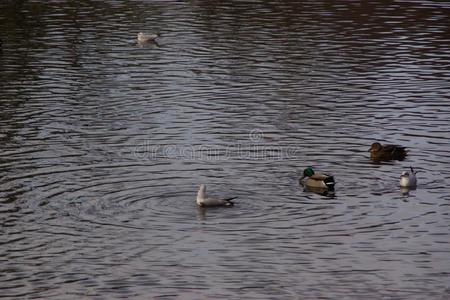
(104, 143)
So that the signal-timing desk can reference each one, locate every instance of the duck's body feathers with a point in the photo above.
(317, 180)
(319, 176)
(320, 181)
(380, 152)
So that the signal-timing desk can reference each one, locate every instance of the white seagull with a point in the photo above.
(202, 201)
(408, 179)
(145, 38)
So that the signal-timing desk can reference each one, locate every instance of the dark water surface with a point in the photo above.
(104, 142)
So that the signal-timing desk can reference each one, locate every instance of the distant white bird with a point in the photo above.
(202, 201)
(408, 179)
(145, 38)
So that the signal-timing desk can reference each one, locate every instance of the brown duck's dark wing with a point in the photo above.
(389, 152)
(393, 148)
(398, 151)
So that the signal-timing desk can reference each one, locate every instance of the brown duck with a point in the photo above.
(380, 152)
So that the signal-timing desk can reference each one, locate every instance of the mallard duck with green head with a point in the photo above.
(313, 179)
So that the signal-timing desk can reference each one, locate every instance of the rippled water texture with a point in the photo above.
(105, 141)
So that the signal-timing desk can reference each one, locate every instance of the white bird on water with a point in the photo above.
(203, 201)
(145, 38)
(408, 179)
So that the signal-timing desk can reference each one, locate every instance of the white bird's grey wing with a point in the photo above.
(217, 202)
(204, 201)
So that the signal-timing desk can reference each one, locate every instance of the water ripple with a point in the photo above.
(104, 143)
